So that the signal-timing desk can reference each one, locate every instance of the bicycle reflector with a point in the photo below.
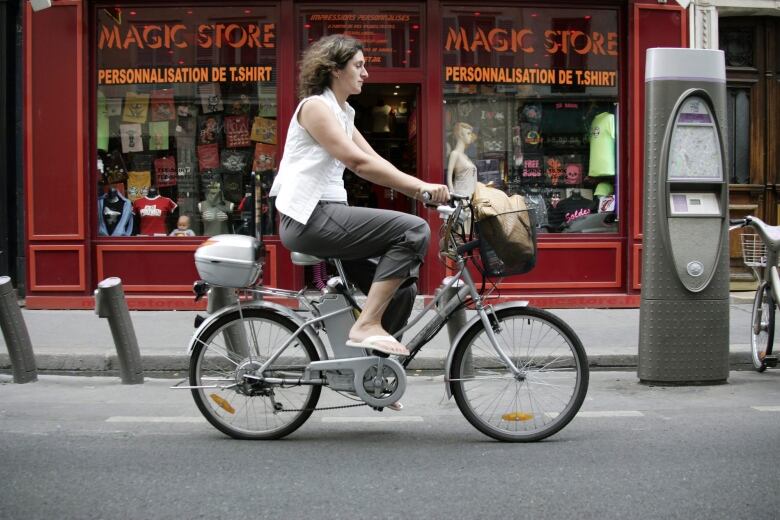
(223, 403)
(517, 416)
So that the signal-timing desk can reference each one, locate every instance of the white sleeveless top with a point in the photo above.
(307, 172)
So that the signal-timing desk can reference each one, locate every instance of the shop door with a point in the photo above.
(382, 114)
(753, 83)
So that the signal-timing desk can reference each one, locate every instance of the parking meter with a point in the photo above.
(684, 311)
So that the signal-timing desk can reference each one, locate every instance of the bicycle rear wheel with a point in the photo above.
(237, 344)
(538, 402)
(762, 327)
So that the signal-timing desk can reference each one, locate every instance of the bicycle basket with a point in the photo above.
(507, 242)
(753, 250)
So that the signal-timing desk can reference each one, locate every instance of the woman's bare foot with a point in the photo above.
(375, 338)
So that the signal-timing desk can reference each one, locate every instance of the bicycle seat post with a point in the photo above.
(342, 273)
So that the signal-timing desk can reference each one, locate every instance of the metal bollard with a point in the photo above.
(235, 336)
(457, 321)
(17, 339)
(110, 303)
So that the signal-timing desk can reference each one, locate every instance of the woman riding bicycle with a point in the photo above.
(321, 141)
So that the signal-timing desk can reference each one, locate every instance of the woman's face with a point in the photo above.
(352, 76)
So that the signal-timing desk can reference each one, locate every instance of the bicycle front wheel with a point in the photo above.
(762, 327)
(538, 401)
(226, 361)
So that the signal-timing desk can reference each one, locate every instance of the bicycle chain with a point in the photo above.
(325, 408)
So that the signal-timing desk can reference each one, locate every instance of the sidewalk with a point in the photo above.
(78, 341)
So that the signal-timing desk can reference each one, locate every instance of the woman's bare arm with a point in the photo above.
(358, 156)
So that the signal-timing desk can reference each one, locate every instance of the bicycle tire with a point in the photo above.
(546, 348)
(762, 336)
(251, 410)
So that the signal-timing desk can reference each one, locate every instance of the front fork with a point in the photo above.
(490, 321)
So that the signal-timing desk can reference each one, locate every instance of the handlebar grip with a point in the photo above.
(738, 222)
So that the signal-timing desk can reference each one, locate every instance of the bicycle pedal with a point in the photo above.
(770, 361)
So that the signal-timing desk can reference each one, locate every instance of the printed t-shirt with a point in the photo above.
(602, 145)
(153, 213)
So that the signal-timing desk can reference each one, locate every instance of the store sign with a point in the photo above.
(127, 45)
(552, 47)
(168, 36)
(223, 74)
(390, 38)
(514, 40)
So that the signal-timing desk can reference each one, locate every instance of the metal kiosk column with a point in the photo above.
(684, 313)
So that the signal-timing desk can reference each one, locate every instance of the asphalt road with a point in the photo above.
(75, 447)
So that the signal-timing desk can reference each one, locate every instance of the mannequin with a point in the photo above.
(215, 211)
(153, 211)
(461, 172)
(381, 114)
(115, 215)
(183, 228)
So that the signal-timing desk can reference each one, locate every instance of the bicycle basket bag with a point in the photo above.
(506, 230)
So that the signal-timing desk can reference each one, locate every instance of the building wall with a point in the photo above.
(66, 259)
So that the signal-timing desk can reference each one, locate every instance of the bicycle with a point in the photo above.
(257, 368)
(760, 253)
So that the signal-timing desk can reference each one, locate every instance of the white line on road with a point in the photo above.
(613, 413)
(766, 408)
(399, 419)
(138, 419)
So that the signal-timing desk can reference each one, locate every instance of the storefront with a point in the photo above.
(151, 126)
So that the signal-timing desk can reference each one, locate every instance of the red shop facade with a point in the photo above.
(150, 126)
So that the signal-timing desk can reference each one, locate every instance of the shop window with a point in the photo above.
(390, 33)
(531, 107)
(186, 119)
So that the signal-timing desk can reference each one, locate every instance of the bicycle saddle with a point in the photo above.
(304, 259)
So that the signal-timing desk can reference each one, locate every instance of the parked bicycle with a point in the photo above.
(257, 368)
(760, 253)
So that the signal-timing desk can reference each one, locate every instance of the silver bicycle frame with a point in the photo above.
(443, 311)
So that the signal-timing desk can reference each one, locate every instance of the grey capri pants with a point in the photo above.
(336, 230)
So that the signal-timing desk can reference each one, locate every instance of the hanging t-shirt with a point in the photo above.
(602, 145)
(153, 213)
(138, 184)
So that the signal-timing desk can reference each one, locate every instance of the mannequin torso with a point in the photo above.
(461, 171)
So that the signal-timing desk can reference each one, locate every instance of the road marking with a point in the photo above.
(138, 419)
(613, 413)
(399, 419)
(766, 408)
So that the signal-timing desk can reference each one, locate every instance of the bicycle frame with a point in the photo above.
(767, 274)
(443, 311)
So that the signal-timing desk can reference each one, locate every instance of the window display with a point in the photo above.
(530, 107)
(186, 119)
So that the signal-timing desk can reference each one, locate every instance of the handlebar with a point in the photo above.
(426, 198)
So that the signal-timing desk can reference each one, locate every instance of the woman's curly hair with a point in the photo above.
(327, 54)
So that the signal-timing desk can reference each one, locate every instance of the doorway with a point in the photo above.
(385, 115)
(753, 87)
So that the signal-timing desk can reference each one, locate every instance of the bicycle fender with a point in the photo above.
(281, 309)
(462, 332)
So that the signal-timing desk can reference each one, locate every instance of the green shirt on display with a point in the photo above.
(602, 145)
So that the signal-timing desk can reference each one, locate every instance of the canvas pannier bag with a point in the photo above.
(506, 230)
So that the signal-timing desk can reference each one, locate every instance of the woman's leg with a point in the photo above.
(369, 323)
(340, 231)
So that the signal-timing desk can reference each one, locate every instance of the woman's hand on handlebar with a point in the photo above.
(433, 193)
